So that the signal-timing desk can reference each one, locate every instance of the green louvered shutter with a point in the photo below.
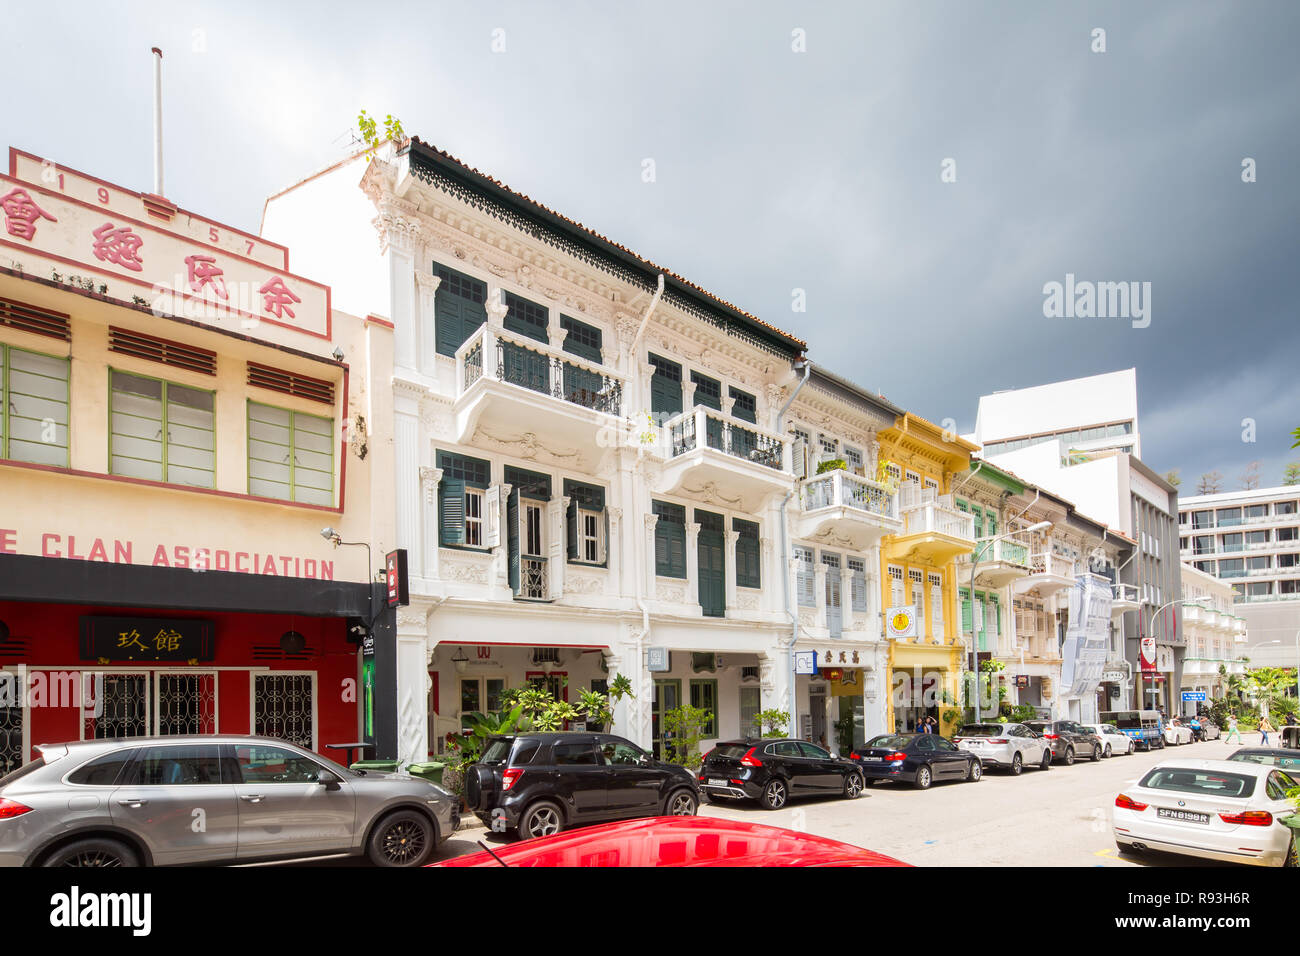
(665, 388)
(451, 511)
(967, 618)
(512, 538)
(571, 529)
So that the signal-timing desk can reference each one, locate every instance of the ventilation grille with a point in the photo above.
(15, 649)
(273, 652)
(291, 383)
(29, 318)
(162, 350)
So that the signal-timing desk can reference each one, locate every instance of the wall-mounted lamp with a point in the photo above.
(292, 642)
(338, 353)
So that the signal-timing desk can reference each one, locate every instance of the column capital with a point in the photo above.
(496, 307)
(427, 281)
(430, 478)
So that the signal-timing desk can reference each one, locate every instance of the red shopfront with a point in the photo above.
(74, 671)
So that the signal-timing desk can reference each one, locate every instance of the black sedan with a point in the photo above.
(918, 759)
(773, 771)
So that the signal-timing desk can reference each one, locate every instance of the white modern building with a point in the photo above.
(1216, 638)
(1251, 541)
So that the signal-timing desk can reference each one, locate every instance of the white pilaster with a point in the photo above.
(427, 340)
(558, 555)
(406, 468)
(819, 575)
(846, 599)
(729, 563)
(412, 686)
(427, 556)
(692, 563)
(650, 522)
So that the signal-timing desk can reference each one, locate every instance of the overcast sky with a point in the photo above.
(778, 170)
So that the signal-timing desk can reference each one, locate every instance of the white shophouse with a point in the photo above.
(591, 457)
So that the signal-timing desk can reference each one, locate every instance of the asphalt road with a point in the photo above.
(1060, 817)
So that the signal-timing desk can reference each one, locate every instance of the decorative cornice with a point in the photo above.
(528, 446)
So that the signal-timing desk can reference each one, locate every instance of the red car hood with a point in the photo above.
(678, 841)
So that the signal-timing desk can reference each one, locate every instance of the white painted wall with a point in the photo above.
(1111, 397)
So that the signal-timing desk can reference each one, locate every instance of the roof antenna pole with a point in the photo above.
(157, 123)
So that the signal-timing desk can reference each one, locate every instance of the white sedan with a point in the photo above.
(1177, 732)
(1114, 739)
(1217, 809)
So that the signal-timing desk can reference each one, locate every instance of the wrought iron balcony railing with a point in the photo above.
(840, 488)
(518, 360)
(725, 434)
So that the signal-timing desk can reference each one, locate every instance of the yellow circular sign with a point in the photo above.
(901, 620)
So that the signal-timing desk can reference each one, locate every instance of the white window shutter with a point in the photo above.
(492, 507)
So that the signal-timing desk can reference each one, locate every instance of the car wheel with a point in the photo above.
(1109, 752)
(682, 803)
(923, 778)
(404, 838)
(1046, 762)
(853, 785)
(1017, 765)
(1069, 756)
(93, 852)
(541, 820)
(974, 771)
(1096, 752)
(774, 794)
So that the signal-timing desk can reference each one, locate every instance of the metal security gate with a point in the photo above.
(11, 723)
(119, 707)
(185, 703)
(284, 707)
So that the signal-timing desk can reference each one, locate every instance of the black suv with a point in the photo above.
(537, 784)
(1068, 739)
(772, 771)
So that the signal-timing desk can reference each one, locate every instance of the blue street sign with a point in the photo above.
(1196, 695)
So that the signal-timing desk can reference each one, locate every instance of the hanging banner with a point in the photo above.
(1087, 640)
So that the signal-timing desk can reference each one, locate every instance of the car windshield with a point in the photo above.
(497, 751)
(979, 730)
(890, 741)
(1287, 762)
(22, 771)
(1209, 783)
(731, 750)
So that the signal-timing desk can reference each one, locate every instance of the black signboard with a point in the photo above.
(396, 586)
(137, 639)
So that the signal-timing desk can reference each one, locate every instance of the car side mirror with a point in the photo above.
(328, 780)
(834, 755)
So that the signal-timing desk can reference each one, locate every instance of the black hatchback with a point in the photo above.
(537, 784)
(771, 771)
(918, 759)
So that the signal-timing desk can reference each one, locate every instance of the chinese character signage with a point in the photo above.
(118, 640)
(395, 580)
(61, 222)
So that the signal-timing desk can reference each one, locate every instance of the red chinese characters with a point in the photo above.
(277, 298)
(205, 271)
(119, 246)
(22, 213)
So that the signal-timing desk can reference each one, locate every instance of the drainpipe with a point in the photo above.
(785, 552)
(978, 465)
(640, 545)
(646, 319)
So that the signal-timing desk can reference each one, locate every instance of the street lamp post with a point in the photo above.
(1139, 672)
(974, 565)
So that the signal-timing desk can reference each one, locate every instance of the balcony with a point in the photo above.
(1048, 573)
(1200, 668)
(1000, 562)
(523, 392)
(839, 506)
(733, 459)
(933, 530)
(1124, 598)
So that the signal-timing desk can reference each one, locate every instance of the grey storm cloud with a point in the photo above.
(779, 170)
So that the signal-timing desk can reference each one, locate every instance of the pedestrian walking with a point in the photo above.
(1233, 731)
(934, 724)
(1265, 728)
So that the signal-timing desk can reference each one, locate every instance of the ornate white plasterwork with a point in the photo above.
(453, 568)
(529, 447)
(412, 618)
(747, 600)
(437, 417)
(670, 592)
(807, 617)
(583, 583)
(711, 493)
(835, 540)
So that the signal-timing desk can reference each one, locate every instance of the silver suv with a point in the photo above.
(158, 801)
